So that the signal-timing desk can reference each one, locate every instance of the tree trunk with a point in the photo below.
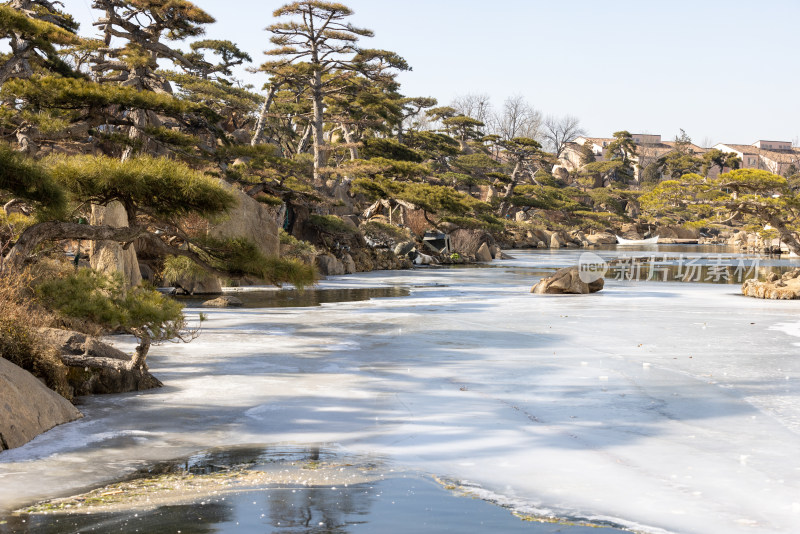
(303, 144)
(348, 137)
(787, 236)
(136, 132)
(37, 234)
(317, 126)
(262, 115)
(505, 204)
(139, 359)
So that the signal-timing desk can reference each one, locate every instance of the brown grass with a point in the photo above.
(20, 342)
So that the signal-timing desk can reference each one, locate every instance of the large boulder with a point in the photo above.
(567, 280)
(483, 253)
(198, 284)
(27, 407)
(109, 256)
(329, 265)
(94, 367)
(601, 238)
(251, 219)
(785, 287)
(676, 232)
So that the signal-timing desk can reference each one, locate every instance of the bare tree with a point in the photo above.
(558, 131)
(517, 119)
(475, 105)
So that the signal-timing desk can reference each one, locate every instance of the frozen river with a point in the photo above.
(659, 406)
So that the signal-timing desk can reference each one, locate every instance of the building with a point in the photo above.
(778, 157)
(649, 149)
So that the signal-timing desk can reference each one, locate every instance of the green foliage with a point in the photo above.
(50, 92)
(23, 178)
(88, 295)
(269, 200)
(330, 224)
(181, 268)
(432, 145)
(605, 198)
(378, 229)
(40, 31)
(389, 149)
(716, 157)
(241, 257)
(484, 221)
(158, 186)
(544, 197)
(401, 170)
(295, 248)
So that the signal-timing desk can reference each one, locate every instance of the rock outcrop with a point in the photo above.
(786, 287)
(27, 407)
(111, 257)
(483, 253)
(96, 367)
(567, 281)
(225, 301)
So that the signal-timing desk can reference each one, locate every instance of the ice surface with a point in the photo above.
(666, 406)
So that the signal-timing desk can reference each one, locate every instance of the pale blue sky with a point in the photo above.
(725, 71)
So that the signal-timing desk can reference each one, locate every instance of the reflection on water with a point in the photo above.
(292, 298)
(384, 501)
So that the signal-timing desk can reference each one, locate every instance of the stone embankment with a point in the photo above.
(786, 287)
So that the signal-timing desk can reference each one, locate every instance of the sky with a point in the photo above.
(723, 71)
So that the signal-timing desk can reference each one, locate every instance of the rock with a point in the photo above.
(146, 271)
(225, 301)
(328, 265)
(602, 238)
(108, 256)
(483, 253)
(244, 160)
(349, 264)
(560, 172)
(467, 242)
(424, 259)
(448, 227)
(557, 240)
(567, 280)
(351, 220)
(199, 285)
(251, 219)
(241, 136)
(786, 287)
(494, 250)
(27, 407)
(94, 366)
(77, 343)
(676, 232)
(404, 248)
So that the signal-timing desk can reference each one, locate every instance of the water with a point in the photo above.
(659, 406)
(292, 298)
(375, 500)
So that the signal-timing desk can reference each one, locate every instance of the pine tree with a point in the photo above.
(323, 46)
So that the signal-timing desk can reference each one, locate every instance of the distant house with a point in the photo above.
(649, 148)
(778, 157)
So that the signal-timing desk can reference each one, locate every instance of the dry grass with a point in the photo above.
(20, 342)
